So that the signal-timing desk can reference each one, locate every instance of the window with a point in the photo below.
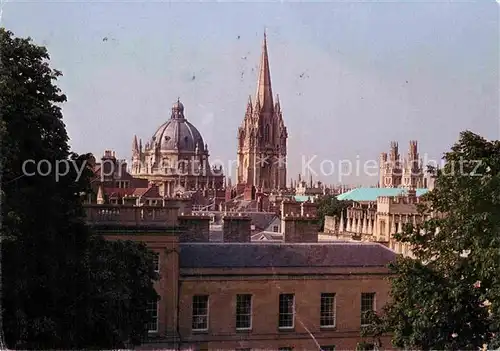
(327, 348)
(152, 310)
(156, 261)
(275, 228)
(200, 312)
(367, 304)
(286, 311)
(244, 311)
(327, 317)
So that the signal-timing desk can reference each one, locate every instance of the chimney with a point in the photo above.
(300, 229)
(290, 207)
(309, 208)
(185, 204)
(195, 228)
(236, 228)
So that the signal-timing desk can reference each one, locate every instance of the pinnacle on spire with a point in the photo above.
(278, 102)
(264, 92)
(135, 146)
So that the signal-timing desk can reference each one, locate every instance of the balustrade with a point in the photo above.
(131, 215)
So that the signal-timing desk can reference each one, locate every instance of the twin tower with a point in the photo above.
(396, 172)
(262, 145)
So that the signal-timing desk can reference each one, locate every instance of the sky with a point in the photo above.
(352, 76)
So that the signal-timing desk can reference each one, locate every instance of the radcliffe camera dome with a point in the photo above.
(177, 134)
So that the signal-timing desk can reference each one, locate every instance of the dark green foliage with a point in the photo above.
(61, 286)
(329, 206)
(121, 287)
(438, 300)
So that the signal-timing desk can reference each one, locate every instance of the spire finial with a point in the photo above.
(264, 91)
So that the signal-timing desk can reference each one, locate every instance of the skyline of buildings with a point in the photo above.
(354, 91)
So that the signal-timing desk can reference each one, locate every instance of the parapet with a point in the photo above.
(299, 217)
(236, 216)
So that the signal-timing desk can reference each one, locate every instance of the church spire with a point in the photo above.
(135, 145)
(264, 92)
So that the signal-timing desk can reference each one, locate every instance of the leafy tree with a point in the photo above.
(329, 205)
(448, 297)
(55, 291)
(120, 310)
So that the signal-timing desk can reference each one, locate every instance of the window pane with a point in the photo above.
(244, 311)
(200, 312)
(152, 310)
(286, 311)
(156, 261)
(327, 318)
(367, 304)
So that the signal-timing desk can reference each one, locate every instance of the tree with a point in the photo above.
(448, 297)
(52, 281)
(119, 309)
(329, 206)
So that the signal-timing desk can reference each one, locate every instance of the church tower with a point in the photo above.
(262, 137)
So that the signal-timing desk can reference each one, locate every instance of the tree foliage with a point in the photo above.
(329, 205)
(448, 296)
(62, 286)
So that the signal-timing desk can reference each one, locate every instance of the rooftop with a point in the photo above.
(265, 254)
(304, 198)
(371, 194)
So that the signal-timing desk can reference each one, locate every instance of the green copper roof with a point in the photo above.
(303, 198)
(371, 194)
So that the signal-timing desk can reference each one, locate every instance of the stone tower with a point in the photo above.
(396, 172)
(413, 174)
(262, 137)
(390, 168)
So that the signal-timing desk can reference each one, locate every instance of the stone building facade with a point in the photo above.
(378, 220)
(114, 184)
(240, 295)
(262, 137)
(396, 171)
(176, 156)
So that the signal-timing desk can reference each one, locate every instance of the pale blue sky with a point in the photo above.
(374, 71)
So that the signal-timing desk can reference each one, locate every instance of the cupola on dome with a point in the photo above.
(177, 134)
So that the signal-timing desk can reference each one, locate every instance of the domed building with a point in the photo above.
(176, 158)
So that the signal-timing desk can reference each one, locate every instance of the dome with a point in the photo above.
(177, 134)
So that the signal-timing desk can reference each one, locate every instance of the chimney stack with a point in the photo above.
(196, 228)
(236, 228)
(300, 229)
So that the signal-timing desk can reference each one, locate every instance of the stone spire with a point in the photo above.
(264, 93)
(135, 145)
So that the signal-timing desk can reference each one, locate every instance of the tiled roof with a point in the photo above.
(151, 192)
(240, 255)
(261, 220)
(371, 194)
(268, 236)
(119, 192)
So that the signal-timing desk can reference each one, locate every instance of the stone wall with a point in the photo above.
(299, 229)
(196, 228)
(236, 228)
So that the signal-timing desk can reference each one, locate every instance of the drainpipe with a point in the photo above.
(177, 327)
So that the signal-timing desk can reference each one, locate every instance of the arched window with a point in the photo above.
(266, 132)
